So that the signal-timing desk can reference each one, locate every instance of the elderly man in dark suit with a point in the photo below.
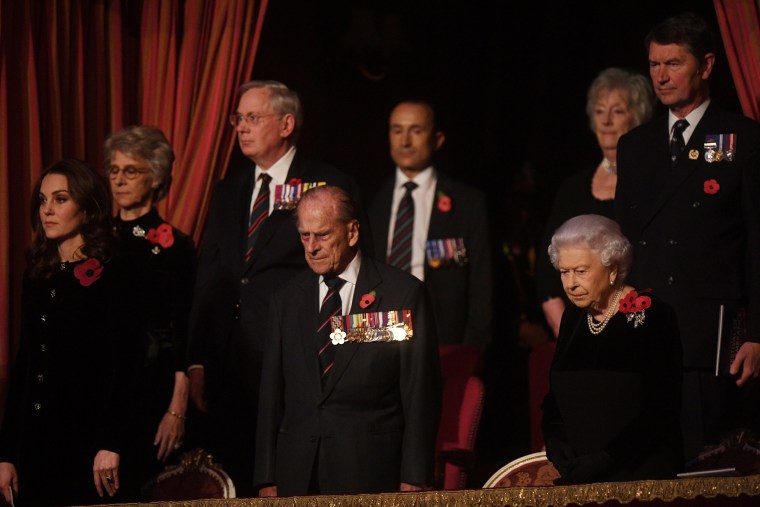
(687, 198)
(250, 248)
(435, 227)
(356, 412)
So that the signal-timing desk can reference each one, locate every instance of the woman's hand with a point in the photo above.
(169, 435)
(105, 472)
(171, 430)
(8, 480)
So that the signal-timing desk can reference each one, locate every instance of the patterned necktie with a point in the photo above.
(259, 213)
(401, 246)
(677, 143)
(331, 306)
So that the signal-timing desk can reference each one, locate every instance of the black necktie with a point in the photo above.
(677, 143)
(331, 306)
(259, 213)
(401, 244)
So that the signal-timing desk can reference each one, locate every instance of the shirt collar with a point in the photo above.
(279, 170)
(424, 179)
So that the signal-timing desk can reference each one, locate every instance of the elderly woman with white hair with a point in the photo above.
(612, 412)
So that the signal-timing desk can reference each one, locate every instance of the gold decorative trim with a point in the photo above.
(623, 492)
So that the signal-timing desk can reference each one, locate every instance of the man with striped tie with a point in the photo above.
(250, 247)
(350, 391)
(425, 222)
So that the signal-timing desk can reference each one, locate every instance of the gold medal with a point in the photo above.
(718, 156)
(693, 154)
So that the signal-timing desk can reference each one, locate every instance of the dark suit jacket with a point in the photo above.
(232, 298)
(696, 250)
(461, 296)
(375, 422)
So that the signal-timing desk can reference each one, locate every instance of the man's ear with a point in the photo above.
(707, 66)
(440, 138)
(287, 125)
(353, 232)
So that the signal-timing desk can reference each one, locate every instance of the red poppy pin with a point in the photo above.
(712, 187)
(88, 272)
(367, 299)
(294, 182)
(634, 304)
(444, 203)
(162, 236)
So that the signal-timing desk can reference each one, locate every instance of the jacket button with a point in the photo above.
(673, 242)
(43, 318)
(642, 242)
(244, 281)
(43, 348)
(40, 377)
(38, 406)
(671, 280)
(695, 204)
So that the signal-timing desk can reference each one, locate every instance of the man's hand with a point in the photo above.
(8, 480)
(268, 491)
(197, 380)
(405, 486)
(747, 361)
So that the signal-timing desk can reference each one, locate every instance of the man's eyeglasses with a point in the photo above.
(130, 172)
(250, 118)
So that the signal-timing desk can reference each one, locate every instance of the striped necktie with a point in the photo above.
(403, 230)
(677, 143)
(259, 213)
(331, 306)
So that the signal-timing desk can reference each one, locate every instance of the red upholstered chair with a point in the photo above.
(532, 470)
(539, 364)
(463, 395)
(195, 477)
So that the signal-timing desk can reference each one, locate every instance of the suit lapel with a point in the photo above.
(439, 220)
(382, 210)
(309, 299)
(670, 180)
(367, 281)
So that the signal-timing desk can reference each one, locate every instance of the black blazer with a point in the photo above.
(374, 424)
(461, 296)
(231, 303)
(697, 250)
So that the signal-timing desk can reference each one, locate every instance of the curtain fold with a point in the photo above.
(188, 91)
(72, 72)
(739, 22)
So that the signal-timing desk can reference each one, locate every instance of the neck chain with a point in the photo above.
(609, 166)
(597, 327)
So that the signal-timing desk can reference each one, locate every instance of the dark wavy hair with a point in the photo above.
(89, 191)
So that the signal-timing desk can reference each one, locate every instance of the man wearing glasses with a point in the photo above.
(250, 247)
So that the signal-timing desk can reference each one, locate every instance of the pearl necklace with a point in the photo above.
(598, 327)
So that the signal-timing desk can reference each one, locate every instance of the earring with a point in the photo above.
(612, 282)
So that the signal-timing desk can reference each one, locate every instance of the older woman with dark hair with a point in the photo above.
(612, 412)
(138, 164)
(617, 101)
(71, 391)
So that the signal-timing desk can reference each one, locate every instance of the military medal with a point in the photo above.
(719, 151)
(286, 196)
(693, 154)
(730, 147)
(388, 326)
(444, 252)
(710, 145)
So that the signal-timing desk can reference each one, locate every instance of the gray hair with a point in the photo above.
(146, 143)
(597, 233)
(637, 92)
(345, 207)
(282, 100)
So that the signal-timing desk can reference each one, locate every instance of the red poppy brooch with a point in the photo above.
(634, 306)
(88, 272)
(444, 203)
(367, 299)
(712, 187)
(161, 236)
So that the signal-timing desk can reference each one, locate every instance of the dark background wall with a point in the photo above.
(509, 81)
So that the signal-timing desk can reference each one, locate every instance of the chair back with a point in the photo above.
(527, 471)
(195, 477)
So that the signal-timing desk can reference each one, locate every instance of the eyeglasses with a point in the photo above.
(130, 172)
(250, 118)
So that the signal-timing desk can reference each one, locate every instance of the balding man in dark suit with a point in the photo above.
(357, 413)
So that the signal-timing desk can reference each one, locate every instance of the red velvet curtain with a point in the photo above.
(71, 72)
(739, 22)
